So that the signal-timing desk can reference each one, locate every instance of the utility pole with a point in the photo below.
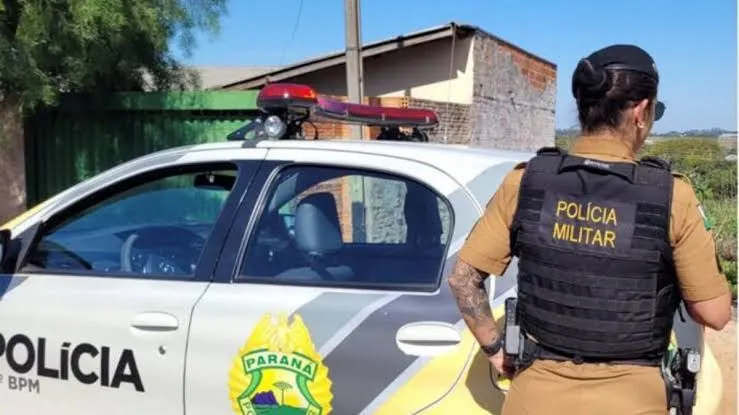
(354, 70)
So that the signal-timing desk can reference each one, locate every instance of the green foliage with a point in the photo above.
(723, 213)
(686, 151)
(703, 161)
(55, 46)
(715, 183)
(729, 268)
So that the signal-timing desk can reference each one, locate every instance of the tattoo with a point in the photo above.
(468, 286)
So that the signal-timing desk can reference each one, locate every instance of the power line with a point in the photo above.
(292, 35)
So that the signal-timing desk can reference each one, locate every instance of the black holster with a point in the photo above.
(513, 336)
(681, 382)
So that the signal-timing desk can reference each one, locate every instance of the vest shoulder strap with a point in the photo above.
(550, 150)
(654, 171)
(547, 160)
(655, 162)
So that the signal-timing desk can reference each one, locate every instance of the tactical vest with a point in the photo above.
(596, 277)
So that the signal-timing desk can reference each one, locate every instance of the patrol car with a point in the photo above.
(268, 274)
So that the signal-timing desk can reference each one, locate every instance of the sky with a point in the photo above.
(694, 43)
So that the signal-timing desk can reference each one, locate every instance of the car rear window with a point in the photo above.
(348, 227)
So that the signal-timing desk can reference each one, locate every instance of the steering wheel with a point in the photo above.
(161, 250)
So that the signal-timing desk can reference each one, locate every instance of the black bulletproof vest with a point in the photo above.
(596, 277)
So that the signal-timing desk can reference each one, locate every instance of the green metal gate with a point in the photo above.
(83, 136)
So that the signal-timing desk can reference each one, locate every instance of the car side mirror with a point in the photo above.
(4, 244)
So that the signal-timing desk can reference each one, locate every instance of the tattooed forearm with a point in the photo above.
(469, 290)
(468, 285)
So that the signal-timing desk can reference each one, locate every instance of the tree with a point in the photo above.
(282, 386)
(50, 47)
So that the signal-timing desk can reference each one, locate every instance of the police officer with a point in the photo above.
(607, 245)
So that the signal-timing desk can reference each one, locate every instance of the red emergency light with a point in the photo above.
(286, 96)
(283, 96)
(375, 115)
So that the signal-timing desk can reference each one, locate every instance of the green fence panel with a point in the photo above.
(83, 136)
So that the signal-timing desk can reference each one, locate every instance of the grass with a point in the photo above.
(723, 212)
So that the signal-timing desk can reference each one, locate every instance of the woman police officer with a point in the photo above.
(607, 246)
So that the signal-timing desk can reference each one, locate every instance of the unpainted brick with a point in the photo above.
(514, 97)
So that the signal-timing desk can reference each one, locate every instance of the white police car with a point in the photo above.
(255, 276)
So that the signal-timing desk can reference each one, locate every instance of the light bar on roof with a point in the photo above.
(283, 97)
(375, 115)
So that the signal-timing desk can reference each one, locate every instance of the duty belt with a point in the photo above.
(523, 351)
(540, 352)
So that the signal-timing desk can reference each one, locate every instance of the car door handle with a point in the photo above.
(155, 321)
(427, 338)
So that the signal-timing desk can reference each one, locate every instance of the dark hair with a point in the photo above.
(602, 95)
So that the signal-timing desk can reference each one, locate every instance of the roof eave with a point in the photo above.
(371, 49)
(339, 58)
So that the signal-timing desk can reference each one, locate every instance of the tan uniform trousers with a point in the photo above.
(554, 388)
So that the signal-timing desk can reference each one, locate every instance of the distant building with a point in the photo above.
(212, 77)
(728, 141)
(487, 91)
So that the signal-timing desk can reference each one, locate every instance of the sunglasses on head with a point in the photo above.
(659, 110)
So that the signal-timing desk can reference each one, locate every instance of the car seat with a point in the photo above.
(423, 241)
(422, 218)
(318, 238)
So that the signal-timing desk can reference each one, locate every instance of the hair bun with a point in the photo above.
(589, 82)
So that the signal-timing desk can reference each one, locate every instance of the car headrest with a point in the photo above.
(317, 229)
(421, 209)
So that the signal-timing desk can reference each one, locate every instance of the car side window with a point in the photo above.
(155, 227)
(348, 227)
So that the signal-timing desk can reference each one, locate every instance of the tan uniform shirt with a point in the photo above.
(563, 387)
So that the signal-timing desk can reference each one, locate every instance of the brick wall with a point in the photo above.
(514, 96)
(454, 121)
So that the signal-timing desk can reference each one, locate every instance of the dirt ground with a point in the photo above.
(723, 345)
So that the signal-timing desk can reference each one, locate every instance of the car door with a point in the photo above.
(96, 318)
(328, 296)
